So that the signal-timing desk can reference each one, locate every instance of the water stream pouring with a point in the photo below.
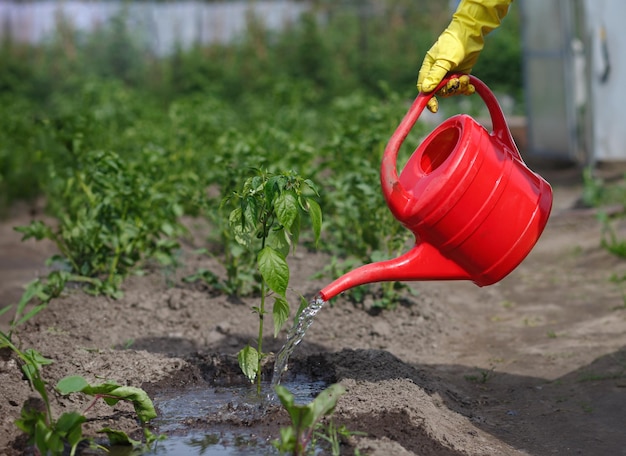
(474, 206)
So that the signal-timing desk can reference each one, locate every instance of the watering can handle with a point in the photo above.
(500, 128)
(398, 200)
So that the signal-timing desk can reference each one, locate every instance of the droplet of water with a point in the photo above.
(294, 337)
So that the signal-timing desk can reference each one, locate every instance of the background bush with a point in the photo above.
(320, 97)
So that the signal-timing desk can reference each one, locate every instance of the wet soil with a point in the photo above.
(533, 365)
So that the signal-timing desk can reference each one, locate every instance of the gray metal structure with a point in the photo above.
(573, 52)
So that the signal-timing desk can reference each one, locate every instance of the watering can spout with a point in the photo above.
(422, 262)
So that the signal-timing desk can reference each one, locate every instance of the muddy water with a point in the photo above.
(220, 420)
(227, 420)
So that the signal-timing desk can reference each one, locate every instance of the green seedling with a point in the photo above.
(333, 435)
(482, 377)
(598, 193)
(36, 297)
(267, 221)
(50, 435)
(305, 419)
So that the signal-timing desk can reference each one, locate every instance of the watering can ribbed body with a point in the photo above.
(475, 208)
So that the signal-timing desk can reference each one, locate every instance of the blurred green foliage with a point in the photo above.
(91, 122)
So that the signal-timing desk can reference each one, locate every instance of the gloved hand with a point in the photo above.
(455, 86)
(458, 47)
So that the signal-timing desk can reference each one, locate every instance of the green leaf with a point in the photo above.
(29, 418)
(315, 212)
(33, 289)
(34, 361)
(250, 213)
(31, 313)
(286, 207)
(307, 416)
(141, 401)
(49, 440)
(312, 186)
(296, 412)
(285, 397)
(38, 384)
(272, 186)
(325, 402)
(280, 313)
(287, 442)
(67, 422)
(119, 438)
(168, 229)
(110, 400)
(279, 241)
(274, 270)
(5, 309)
(248, 358)
(295, 230)
(37, 229)
(239, 228)
(71, 384)
(103, 388)
(113, 393)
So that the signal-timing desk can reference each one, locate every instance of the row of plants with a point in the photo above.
(334, 49)
(115, 207)
(257, 137)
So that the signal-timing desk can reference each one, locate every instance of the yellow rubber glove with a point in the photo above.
(458, 47)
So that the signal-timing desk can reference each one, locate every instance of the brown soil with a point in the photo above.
(535, 364)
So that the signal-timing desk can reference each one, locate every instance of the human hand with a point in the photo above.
(456, 85)
(458, 47)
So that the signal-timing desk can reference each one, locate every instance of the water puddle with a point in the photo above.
(222, 444)
(232, 419)
(222, 420)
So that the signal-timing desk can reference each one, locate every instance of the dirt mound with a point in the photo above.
(531, 365)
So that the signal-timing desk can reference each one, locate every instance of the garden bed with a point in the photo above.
(532, 365)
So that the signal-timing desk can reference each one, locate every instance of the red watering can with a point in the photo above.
(474, 206)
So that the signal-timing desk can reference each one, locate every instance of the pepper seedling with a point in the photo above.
(267, 219)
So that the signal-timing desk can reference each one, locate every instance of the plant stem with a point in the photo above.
(33, 375)
(261, 318)
(260, 340)
(65, 251)
(113, 267)
(118, 254)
